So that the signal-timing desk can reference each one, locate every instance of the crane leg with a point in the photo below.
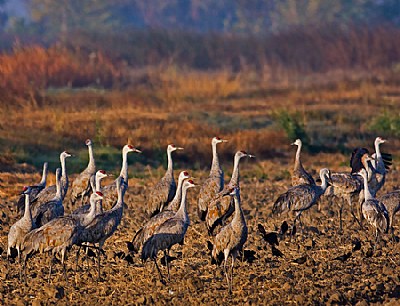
(166, 255)
(159, 271)
(340, 218)
(234, 255)
(50, 268)
(64, 266)
(24, 268)
(77, 258)
(98, 263)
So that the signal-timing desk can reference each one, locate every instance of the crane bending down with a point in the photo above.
(213, 184)
(105, 224)
(147, 230)
(164, 191)
(300, 175)
(57, 236)
(35, 190)
(221, 207)
(110, 191)
(232, 237)
(373, 210)
(169, 233)
(81, 185)
(302, 197)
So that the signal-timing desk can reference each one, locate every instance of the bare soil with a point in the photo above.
(308, 272)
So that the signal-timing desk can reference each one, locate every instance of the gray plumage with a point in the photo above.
(213, 184)
(373, 210)
(221, 207)
(391, 201)
(110, 191)
(20, 228)
(169, 233)
(164, 191)
(56, 236)
(147, 230)
(232, 237)
(48, 193)
(81, 185)
(300, 175)
(35, 190)
(302, 197)
(43, 212)
(97, 187)
(105, 224)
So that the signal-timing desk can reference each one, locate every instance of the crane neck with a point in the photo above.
(120, 201)
(182, 211)
(98, 183)
(124, 167)
(367, 193)
(239, 216)
(235, 174)
(27, 213)
(92, 163)
(297, 161)
(91, 213)
(170, 163)
(44, 175)
(58, 186)
(174, 205)
(215, 161)
(63, 168)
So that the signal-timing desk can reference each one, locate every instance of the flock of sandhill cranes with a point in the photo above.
(44, 226)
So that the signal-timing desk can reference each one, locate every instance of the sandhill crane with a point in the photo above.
(147, 230)
(300, 175)
(391, 201)
(49, 192)
(57, 236)
(373, 210)
(163, 192)
(221, 207)
(214, 183)
(110, 191)
(232, 237)
(300, 198)
(100, 174)
(105, 224)
(81, 185)
(20, 228)
(35, 190)
(43, 212)
(169, 233)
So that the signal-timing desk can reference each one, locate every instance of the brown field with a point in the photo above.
(257, 112)
(265, 279)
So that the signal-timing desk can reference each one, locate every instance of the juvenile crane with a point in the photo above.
(100, 174)
(302, 197)
(35, 190)
(57, 236)
(148, 229)
(214, 183)
(43, 212)
(221, 207)
(232, 237)
(169, 233)
(105, 224)
(373, 210)
(81, 185)
(300, 175)
(49, 192)
(20, 228)
(110, 191)
(163, 192)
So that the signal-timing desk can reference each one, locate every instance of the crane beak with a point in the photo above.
(179, 148)
(251, 156)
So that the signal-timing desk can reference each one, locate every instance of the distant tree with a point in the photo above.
(3, 15)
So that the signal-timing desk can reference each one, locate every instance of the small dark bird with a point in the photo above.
(284, 228)
(300, 260)
(129, 259)
(356, 245)
(276, 252)
(130, 247)
(271, 238)
(293, 230)
(343, 257)
(369, 252)
(249, 255)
